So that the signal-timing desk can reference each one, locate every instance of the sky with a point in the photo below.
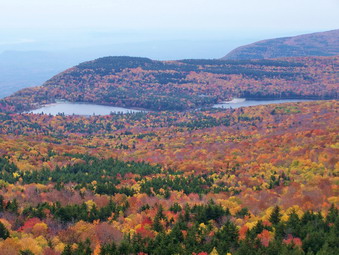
(67, 24)
(172, 14)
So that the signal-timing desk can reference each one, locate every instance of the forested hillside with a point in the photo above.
(254, 180)
(307, 45)
(182, 85)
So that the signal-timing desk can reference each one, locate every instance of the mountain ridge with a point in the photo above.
(181, 85)
(313, 44)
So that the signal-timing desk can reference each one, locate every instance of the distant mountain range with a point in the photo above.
(315, 44)
(187, 84)
(21, 69)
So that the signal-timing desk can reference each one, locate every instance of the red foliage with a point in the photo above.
(29, 224)
(295, 241)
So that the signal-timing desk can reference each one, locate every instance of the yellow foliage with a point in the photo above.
(297, 210)
(74, 246)
(41, 187)
(10, 246)
(232, 204)
(250, 225)
(268, 212)
(31, 244)
(40, 229)
(239, 222)
(6, 224)
(136, 187)
(335, 146)
(214, 252)
(202, 226)
(284, 217)
(59, 247)
(16, 174)
(3, 183)
(333, 200)
(90, 204)
(55, 240)
(41, 241)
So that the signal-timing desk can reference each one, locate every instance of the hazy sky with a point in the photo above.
(44, 24)
(39, 38)
(181, 14)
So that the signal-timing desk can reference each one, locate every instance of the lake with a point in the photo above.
(242, 102)
(69, 108)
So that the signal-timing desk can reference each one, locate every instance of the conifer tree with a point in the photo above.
(4, 233)
(275, 216)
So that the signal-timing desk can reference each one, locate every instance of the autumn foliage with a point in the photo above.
(182, 85)
(254, 180)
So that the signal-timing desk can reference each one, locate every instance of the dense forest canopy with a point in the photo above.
(254, 180)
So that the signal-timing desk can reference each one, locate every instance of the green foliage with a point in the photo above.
(242, 213)
(4, 233)
(210, 211)
(190, 184)
(12, 206)
(275, 216)
(74, 213)
(103, 171)
(26, 252)
(84, 248)
(226, 239)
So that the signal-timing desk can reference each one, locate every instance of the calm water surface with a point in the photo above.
(81, 109)
(241, 102)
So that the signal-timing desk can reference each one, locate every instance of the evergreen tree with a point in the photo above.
(1, 203)
(26, 252)
(157, 224)
(275, 216)
(4, 233)
(67, 250)
(13, 206)
(313, 242)
(293, 224)
(83, 248)
(227, 238)
(108, 249)
(332, 214)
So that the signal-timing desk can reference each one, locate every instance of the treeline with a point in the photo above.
(312, 233)
(106, 173)
(195, 231)
(67, 214)
(43, 124)
(259, 62)
(103, 176)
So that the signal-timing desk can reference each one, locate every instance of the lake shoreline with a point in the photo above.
(244, 102)
(92, 109)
